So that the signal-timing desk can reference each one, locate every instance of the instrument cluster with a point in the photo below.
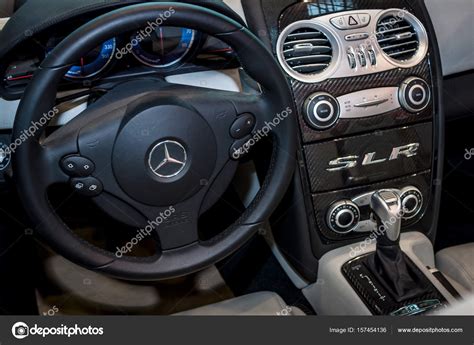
(162, 51)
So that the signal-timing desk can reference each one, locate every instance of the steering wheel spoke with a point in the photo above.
(236, 118)
(175, 225)
(175, 222)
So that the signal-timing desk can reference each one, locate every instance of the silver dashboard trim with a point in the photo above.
(370, 102)
(373, 103)
(339, 66)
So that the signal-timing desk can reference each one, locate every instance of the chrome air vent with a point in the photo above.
(397, 38)
(304, 52)
(401, 37)
(307, 51)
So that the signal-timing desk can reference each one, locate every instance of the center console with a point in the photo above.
(364, 76)
(363, 87)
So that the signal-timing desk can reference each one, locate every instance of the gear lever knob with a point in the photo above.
(387, 208)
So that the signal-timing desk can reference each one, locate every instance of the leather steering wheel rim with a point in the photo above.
(39, 99)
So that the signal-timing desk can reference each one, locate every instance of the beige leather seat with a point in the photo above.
(255, 304)
(463, 307)
(457, 263)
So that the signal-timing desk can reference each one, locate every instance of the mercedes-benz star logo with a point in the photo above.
(167, 159)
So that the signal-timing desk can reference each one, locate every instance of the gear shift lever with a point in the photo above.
(387, 209)
(394, 270)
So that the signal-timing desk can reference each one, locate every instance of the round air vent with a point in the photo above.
(401, 37)
(304, 52)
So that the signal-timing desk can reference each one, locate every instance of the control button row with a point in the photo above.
(76, 165)
(362, 54)
(241, 130)
(87, 186)
(370, 102)
(354, 215)
(80, 169)
(351, 21)
(322, 111)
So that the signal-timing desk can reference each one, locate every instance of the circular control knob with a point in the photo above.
(414, 94)
(321, 110)
(412, 201)
(343, 216)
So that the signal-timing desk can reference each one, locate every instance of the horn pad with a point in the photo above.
(162, 154)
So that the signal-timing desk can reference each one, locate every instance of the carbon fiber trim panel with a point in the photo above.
(380, 144)
(328, 190)
(379, 301)
(322, 202)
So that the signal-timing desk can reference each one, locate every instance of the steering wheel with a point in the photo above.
(161, 153)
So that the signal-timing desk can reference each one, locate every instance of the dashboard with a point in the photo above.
(157, 50)
(365, 77)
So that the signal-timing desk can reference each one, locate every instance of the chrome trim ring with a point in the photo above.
(333, 40)
(416, 193)
(420, 32)
(403, 101)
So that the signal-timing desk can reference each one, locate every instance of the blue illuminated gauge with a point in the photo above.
(165, 47)
(94, 62)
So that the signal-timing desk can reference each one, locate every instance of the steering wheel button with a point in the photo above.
(240, 148)
(76, 165)
(242, 126)
(87, 186)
